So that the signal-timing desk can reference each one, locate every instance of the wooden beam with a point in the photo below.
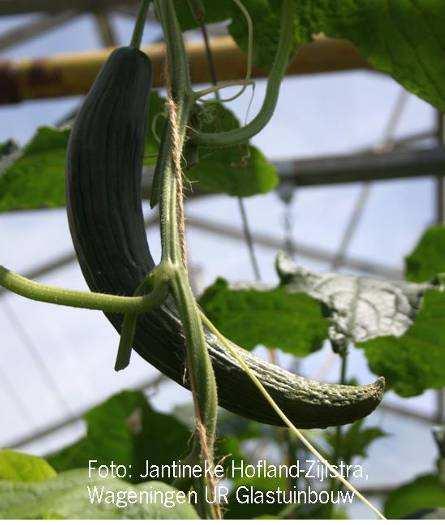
(72, 74)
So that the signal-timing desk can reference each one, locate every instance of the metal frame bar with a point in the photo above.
(24, 33)
(343, 169)
(311, 252)
(64, 422)
(105, 28)
(261, 239)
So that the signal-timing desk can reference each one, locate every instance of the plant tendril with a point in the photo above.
(248, 76)
(239, 135)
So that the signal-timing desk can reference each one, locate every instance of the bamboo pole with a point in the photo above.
(72, 74)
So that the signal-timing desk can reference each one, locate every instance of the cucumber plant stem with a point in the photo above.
(236, 136)
(136, 37)
(199, 367)
(343, 373)
(338, 430)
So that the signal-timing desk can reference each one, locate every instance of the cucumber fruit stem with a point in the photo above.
(141, 19)
(90, 300)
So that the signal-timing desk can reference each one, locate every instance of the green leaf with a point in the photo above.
(425, 492)
(416, 361)
(36, 179)
(403, 38)
(17, 466)
(355, 440)
(273, 318)
(428, 257)
(240, 171)
(240, 174)
(67, 496)
(126, 430)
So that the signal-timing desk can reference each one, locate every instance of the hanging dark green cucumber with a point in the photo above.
(105, 215)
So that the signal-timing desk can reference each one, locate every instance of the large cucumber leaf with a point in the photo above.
(399, 324)
(425, 492)
(17, 466)
(273, 318)
(35, 177)
(238, 170)
(403, 38)
(416, 361)
(126, 430)
(427, 260)
(68, 496)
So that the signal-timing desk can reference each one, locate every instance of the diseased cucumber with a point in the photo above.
(104, 169)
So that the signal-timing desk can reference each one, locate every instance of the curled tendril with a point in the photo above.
(248, 78)
(154, 124)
